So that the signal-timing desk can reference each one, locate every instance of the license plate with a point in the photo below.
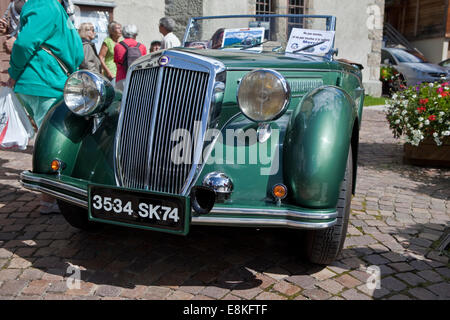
(145, 210)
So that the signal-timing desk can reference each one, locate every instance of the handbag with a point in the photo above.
(15, 126)
(61, 64)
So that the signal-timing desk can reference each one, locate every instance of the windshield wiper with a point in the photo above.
(254, 45)
(309, 46)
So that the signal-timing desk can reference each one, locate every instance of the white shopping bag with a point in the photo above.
(15, 127)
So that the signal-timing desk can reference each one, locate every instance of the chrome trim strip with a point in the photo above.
(64, 186)
(276, 212)
(248, 222)
(55, 194)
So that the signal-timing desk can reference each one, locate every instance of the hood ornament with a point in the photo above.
(163, 60)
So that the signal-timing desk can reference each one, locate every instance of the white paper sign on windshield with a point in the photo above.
(302, 38)
(236, 39)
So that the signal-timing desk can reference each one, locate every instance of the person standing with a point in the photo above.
(121, 50)
(47, 49)
(106, 53)
(91, 60)
(170, 40)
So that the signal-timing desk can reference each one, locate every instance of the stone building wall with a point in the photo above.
(359, 33)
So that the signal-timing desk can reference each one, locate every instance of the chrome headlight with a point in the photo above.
(87, 93)
(263, 95)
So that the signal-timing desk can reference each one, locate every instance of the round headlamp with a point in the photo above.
(263, 95)
(87, 93)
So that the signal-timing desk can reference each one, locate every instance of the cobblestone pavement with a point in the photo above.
(399, 214)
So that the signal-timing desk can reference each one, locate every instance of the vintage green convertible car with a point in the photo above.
(258, 135)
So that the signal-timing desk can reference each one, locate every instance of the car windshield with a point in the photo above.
(407, 56)
(284, 34)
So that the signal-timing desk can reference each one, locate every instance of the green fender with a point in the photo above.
(60, 135)
(316, 147)
(69, 138)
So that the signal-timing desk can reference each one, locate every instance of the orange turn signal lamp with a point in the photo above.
(57, 165)
(279, 191)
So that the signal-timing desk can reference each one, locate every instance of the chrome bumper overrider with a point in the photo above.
(282, 217)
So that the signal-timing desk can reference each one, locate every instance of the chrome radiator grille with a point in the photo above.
(159, 101)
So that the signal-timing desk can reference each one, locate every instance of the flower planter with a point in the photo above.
(427, 153)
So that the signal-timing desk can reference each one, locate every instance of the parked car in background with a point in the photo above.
(445, 64)
(413, 67)
(221, 137)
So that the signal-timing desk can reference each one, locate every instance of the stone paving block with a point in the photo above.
(12, 287)
(360, 275)
(422, 294)
(303, 281)
(108, 291)
(331, 286)
(36, 287)
(394, 257)
(348, 281)
(270, 296)
(214, 292)
(401, 266)
(374, 293)
(430, 276)
(410, 278)
(353, 294)
(392, 284)
(323, 274)
(157, 293)
(376, 259)
(180, 295)
(250, 293)
(444, 271)
(440, 289)
(19, 263)
(9, 274)
(286, 288)
(316, 294)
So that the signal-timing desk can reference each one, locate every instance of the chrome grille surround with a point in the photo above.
(183, 64)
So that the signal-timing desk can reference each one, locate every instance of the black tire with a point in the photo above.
(323, 246)
(77, 217)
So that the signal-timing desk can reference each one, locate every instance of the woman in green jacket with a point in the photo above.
(46, 34)
(47, 49)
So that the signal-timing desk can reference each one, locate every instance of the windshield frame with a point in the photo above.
(330, 23)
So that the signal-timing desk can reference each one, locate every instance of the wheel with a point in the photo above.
(77, 217)
(323, 246)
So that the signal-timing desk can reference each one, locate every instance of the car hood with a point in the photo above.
(250, 60)
(424, 67)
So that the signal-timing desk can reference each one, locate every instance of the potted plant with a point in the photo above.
(391, 79)
(421, 114)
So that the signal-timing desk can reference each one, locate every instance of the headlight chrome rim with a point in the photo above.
(104, 93)
(286, 90)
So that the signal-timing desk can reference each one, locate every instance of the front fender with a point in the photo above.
(69, 138)
(316, 147)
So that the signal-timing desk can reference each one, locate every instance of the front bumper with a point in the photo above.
(75, 191)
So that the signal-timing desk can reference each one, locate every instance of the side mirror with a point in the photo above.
(387, 61)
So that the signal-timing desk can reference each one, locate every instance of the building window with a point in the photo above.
(264, 7)
(296, 7)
